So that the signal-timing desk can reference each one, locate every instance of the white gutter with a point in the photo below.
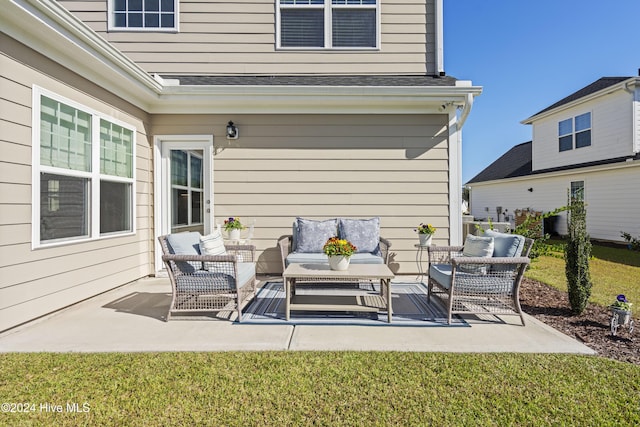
(50, 29)
(466, 109)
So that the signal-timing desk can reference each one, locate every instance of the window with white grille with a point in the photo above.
(328, 24)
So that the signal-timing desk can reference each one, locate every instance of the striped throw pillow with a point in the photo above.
(212, 244)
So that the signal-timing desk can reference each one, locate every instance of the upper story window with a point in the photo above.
(574, 132)
(150, 15)
(328, 24)
(83, 183)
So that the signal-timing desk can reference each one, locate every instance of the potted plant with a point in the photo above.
(425, 233)
(622, 307)
(233, 226)
(339, 252)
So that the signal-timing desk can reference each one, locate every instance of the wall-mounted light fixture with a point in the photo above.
(530, 189)
(232, 131)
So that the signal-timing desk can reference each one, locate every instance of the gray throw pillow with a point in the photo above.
(186, 243)
(312, 234)
(363, 233)
(476, 246)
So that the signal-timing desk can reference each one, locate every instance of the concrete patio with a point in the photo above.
(131, 319)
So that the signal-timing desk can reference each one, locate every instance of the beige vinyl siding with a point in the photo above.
(36, 282)
(222, 37)
(326, 166)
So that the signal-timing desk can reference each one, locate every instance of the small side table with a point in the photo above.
(419, 255)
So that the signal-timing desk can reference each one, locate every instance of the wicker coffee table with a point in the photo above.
(321, 273)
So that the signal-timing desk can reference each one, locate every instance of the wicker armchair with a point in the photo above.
(477, 285)
(210, 283)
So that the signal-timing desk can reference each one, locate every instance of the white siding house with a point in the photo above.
(588, 140)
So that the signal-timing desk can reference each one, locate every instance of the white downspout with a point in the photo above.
(439, 37)
(466, 109)
(455, 171)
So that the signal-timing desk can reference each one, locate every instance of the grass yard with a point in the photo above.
(318, 388)
(613, 271)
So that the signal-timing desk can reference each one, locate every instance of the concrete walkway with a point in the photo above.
(131, 319)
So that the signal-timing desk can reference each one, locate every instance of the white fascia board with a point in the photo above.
(51, 30)
(606, 91)
(309, 99)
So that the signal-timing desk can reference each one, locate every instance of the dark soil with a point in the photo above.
(592, 327)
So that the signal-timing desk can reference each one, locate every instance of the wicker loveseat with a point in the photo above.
(208, 283)
(480, 284)
(305, 243)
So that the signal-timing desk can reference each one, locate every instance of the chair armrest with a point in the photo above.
(247, 252)
(443, 254)
(490, 260)
(285, 243)
(434, 248)
(384, 249)
(200, 258)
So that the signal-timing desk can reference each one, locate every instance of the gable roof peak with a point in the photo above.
(596, 86)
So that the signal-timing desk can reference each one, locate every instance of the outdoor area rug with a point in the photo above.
(409, 302)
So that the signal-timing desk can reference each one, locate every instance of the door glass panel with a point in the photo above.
(187, 207)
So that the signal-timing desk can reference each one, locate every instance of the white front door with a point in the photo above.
(183, 186)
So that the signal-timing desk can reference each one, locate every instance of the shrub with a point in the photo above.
(634, 242)
(531, 227)
(577, 254)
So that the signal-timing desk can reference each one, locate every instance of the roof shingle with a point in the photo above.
(314, 80)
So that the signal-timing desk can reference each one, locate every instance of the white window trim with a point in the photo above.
(328, 29)
(111, 27)
(95, 175)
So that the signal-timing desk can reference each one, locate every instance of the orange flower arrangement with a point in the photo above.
(335, 246)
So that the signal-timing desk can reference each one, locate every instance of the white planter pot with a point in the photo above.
(339, 262)
(425, 239)
(234, 234)
(624, 316)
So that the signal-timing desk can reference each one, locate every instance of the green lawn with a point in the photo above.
(319, 388)
(336, 388)
(613, 271)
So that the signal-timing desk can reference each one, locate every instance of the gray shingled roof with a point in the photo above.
(515, 162)
(314, 80)
(596, 86)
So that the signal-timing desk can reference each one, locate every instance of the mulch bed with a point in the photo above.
(592, 327)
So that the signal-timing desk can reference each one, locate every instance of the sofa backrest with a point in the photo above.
(363, 233)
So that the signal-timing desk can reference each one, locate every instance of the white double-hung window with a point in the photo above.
(83, 172)
(328, 24)
(574, 132)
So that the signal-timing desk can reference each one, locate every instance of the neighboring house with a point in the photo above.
(114, 131)
(586, 144)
